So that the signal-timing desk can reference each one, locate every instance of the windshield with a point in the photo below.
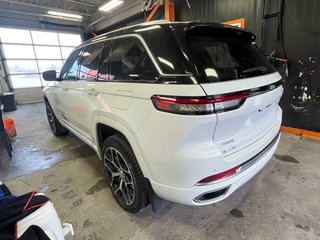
(225, 58)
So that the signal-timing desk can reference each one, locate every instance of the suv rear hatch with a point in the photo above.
(244, 85)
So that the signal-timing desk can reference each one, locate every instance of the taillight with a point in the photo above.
(183, 105)
(199, 105)
(229, 102)
(219, 176)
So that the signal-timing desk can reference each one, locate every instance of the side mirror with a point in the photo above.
(50, 75)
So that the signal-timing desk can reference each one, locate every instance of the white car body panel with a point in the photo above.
(129, 121)
(187, 195)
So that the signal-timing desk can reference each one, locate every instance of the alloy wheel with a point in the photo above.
(51, 118)
(120, 176)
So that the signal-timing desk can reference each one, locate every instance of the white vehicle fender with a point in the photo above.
(128, 135)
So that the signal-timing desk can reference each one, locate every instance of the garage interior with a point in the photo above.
(281, 202)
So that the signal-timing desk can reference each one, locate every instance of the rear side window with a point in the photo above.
(70, 68)
(89, 64)
(130, 61)
(226, 58)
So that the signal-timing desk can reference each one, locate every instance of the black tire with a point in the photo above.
(119, 159)
(55, 125)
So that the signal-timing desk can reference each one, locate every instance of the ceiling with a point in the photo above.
(40, 7)
(25, 12)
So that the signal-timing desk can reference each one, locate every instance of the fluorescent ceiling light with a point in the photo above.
(110, 5)
(62, 14)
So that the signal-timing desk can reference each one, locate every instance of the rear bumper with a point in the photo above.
(211, 193)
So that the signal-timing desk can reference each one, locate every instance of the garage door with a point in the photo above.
(28, 53)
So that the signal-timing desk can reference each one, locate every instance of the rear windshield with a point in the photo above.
(224, 58)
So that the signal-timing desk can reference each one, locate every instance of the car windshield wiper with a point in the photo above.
(256, 69)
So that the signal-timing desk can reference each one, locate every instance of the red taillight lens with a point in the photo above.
(229, 102)
(219, 176)
(199, 105)
(181, 105)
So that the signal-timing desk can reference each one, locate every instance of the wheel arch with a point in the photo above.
(46, 100)
(103, 131)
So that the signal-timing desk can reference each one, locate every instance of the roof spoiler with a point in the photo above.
(217, 30)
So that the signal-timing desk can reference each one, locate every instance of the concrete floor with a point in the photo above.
(282, 202)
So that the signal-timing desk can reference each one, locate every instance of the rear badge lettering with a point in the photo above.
(229, 150)
(227, 142)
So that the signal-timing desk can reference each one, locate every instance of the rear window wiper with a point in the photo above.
(262, 69)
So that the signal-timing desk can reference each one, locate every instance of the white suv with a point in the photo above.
(186, 112)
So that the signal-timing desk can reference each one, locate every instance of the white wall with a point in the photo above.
(28, 95)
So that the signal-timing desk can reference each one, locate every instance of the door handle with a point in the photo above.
(92, 92)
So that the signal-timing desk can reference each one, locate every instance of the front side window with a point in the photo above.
(70, 68)
(130, 61)
(90, 59)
